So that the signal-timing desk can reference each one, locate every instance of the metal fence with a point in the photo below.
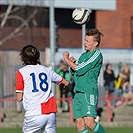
(7, 83)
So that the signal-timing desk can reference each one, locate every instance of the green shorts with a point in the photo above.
(84, 105)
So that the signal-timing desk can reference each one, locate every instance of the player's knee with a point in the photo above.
(80, 124)
(90, 123)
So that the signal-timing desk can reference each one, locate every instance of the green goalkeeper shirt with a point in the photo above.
(87, 72)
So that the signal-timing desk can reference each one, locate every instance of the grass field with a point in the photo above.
(71, 130)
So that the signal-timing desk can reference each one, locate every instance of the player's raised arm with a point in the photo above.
(69, 61)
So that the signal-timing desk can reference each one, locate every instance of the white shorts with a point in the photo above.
(40, 124)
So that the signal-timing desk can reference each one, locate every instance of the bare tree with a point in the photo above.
(19, 30)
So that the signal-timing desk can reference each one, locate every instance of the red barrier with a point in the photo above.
(67, 99)
(107, 100)
(70, 106)
(108, 104)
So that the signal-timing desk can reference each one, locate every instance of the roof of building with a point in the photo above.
(90, 4)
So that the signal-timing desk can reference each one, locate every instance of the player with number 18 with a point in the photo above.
(33, 87)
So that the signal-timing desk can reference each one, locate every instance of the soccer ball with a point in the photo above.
(81, 16)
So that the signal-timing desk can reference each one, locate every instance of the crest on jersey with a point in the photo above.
(89, 108)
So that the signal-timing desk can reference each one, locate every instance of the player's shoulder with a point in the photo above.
(98, 52)
(22, 68)
(32, 67)
(95, 53)
(45, 68)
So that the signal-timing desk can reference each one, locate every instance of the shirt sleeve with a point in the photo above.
(56, 78)
(19, 82)
(72, 71)
(90, 63)
(58, 83)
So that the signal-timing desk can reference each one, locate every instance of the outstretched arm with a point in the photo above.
(70, 61)
(67, 86)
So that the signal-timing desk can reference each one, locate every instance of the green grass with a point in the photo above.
(108, 130)
(71, 130)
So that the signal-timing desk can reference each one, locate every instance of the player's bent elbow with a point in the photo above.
(19, 97)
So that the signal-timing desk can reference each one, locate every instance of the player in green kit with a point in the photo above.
(86, 72)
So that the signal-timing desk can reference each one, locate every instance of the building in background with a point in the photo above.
(112, 17)
(27, 22)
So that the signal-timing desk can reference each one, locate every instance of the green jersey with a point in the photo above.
(87, 72)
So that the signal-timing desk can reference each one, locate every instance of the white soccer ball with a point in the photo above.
(81, 16)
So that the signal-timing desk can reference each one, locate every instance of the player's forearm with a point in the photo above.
(65, 82)
(71, 64)
(19, 96)
(67, 86)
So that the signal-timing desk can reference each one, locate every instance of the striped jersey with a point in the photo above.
(87, 71)
(34, 81)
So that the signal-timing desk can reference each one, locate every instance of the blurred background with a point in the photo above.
(48, 25)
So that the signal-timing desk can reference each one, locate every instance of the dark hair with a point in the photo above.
(30, 55)
(108, 64)
(96, 34)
